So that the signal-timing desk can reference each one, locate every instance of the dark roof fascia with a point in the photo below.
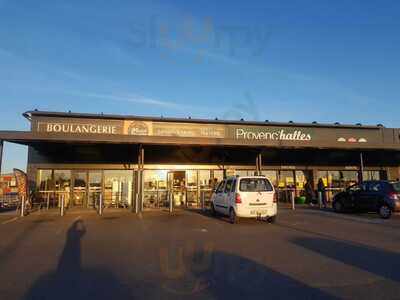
(190, 120)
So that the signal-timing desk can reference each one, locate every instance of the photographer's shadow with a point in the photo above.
(71, 281)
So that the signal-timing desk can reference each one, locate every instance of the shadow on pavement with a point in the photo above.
(207, 213)
(9, 250)
(377, 261)
(211, 274)
(225, 219)
(184, 272)
(71, 281)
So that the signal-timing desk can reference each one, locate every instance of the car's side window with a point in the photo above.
(228, 186)
(363, 187)
(220, 187)
(375, 187)
(355, 188)
(233, 185)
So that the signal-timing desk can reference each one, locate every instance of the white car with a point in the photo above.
(245, 197)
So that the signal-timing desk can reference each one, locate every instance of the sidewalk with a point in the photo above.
(288, 205)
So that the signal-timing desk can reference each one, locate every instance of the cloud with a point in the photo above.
(133, 99)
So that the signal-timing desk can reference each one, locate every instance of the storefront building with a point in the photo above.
(143, 163)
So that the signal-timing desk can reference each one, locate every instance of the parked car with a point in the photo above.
(378, 196)
(245, 197)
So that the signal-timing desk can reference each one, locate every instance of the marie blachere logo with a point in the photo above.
(273, 135)
(138, 128)
(352, 140)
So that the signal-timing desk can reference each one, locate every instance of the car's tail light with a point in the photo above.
(394, 196)
(275, 197)
(238, 199)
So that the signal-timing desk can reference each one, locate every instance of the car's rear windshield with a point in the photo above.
(396, 186)
(255, 185)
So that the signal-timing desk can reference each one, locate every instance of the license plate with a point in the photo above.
(258, 212)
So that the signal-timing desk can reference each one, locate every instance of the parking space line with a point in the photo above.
(9, 221)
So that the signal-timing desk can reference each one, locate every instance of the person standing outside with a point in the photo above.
(322, 190)
(309, 191)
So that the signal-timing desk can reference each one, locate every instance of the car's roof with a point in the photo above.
(380, 181)
(251, 176)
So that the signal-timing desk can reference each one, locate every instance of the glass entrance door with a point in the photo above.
(79, 189)
(95, 188)
(177, 188)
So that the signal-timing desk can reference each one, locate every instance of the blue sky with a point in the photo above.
(279, 60)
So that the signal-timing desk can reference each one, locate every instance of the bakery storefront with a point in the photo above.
(143, 163)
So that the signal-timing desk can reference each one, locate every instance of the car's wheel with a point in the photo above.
(384, 211)
(338, 206)
(272, 219)
(232, 216)
(213, 211)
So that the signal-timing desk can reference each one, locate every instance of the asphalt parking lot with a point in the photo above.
(307, 254)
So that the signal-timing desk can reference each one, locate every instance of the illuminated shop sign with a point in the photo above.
(273, 135)
(137, 128)
(263, 135)
(81, 128)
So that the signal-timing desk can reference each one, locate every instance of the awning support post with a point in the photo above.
(1, 153)
(259, 164)
(361, 170)
(139, 203)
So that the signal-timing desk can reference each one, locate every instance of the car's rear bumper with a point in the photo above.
(256, 212)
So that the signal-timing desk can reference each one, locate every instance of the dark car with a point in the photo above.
(378, 196)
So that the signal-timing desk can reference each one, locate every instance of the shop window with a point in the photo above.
(118, 188)
(45, 182)
(286, 180)
(192, 198)
(218, 175)
(62, 186)
(349, 178)
(206, 186)
(191, 179)
(205, 179)
(242, 172)
(371, 175)
(62, 180)
(155, 188)
(271, 175)
(300, 179)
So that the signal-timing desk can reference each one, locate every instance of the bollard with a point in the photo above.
(136, 203)
(22, 206)
(320, 199)
(101, 204)
(170, 201)
(62, 206)
(48, 201)
(292, 199)
(203, 206)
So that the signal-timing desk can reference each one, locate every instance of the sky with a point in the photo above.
(326, 61)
